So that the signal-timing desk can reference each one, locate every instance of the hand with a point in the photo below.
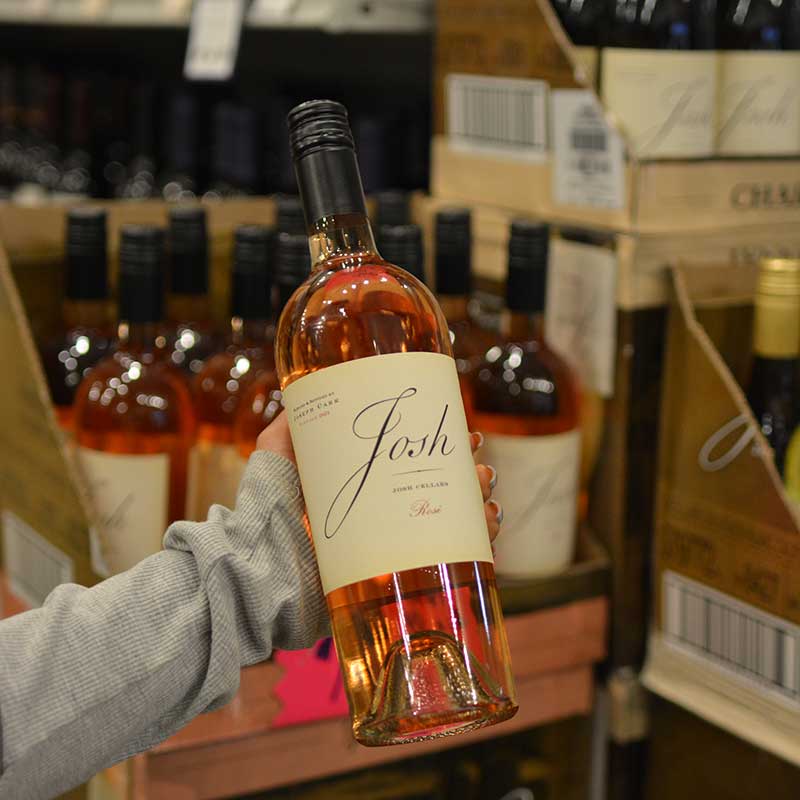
(275, 438)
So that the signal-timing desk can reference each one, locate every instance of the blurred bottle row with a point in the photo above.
(693, 78)
(165, 411)
(93, 133)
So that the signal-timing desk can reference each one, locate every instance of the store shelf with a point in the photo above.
(235, 750)
(332, 16)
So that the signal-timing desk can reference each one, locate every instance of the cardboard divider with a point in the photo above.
(726, 628)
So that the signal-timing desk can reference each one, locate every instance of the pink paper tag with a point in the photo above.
(311, 687)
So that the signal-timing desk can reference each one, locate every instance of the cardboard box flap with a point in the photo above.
(723, 517)
(37, 483)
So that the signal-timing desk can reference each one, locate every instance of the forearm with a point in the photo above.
(97, 675)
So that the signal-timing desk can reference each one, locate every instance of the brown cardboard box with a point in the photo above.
(660, 196)
(523, 39)
(40, 487)
(643, 260)
(726, 638)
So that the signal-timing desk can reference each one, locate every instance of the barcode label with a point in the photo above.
(33, 566)
(506, 115)
(733, 635)
(589, 139)
(588, 156)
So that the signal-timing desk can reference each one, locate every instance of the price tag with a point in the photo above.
(214, 33)
(588, 155)
(271, 10)
(24, 9)
(581, 314)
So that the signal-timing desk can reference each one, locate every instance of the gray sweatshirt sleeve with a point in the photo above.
(97, 675)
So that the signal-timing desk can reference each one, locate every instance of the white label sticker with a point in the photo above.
(538, 488)
(500, 116)
(386, 467)
(33, 566)
(759, 103)
(581, 318)
(214, 34)
(214, 474)
(131, 495)
(588, 156)
(742, 640)
(664, 99)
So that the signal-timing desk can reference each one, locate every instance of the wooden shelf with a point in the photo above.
(235, 751)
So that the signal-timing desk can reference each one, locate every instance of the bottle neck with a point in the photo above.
(454, 307)
(776, 326)
(341, 236)
(85, 313)
(187, 307)
(523, 326)
(141, 335)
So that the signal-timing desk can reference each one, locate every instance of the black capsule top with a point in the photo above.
(402, 245)
(251, 278)
(86, 254)
(289, 214)
(141, 273)
(453, 251)
(528, 246)
(292, 265)
(188, 244)
(392, 207)
(325, 161)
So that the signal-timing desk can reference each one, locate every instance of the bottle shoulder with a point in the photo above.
(134, 386)
(526, 379)
(354, 309)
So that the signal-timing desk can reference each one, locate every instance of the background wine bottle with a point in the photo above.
(190, 337)
(585, 23)
(526, 401)
(261, 403)
(774, 388)
(134, 421)
(86, 333)
(759, 100)
(402, 244)
(453, 268)
(214, 464)
(409, 581)
(659, 75)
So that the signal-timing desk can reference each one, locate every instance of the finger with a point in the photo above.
(494, 517)
(275, 438)
(487, 477)
(476, 441)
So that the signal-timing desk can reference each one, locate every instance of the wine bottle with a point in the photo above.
(659, 76)
(178, 180)
(191, 339)
(774, 389)
(133, 415)
(392, 207)
(584, 22)
(525, 399)
(289, 215)
(759, 102)
(86, 335)
(372, 397)
(214, 464)
(402, 244)
(453, 257)
(261, 403)
(235, 168)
